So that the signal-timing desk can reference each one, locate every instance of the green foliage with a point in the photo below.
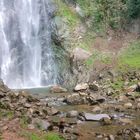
(130, 58)
(67, 13)
(109, 13)
(100, 14)
(133, 10)
(87, 6)
(52, 136)
(44, 136)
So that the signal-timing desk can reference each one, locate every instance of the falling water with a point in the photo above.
(26, 55)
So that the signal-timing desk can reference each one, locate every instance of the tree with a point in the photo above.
(133, 9)
(109, 12)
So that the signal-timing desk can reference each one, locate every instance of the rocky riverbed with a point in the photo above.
(94, 110)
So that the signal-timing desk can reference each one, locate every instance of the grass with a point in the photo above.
(43, 136)
(86, 6)
(6, 114)
(117, 84)
(130, 58)
(24, 121)
(103, 57)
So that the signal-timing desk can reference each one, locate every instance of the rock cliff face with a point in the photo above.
(69, 57)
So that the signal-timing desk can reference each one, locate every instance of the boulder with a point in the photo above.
(58, 89)
(82, 86)
(80, 54)
(72, 114)
(43, 124)
(76, 99)
(95, 117)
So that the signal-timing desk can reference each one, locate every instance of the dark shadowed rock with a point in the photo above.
(94, 86)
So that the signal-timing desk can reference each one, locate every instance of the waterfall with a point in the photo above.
(26, 55)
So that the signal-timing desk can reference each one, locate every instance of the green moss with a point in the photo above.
(130, 58)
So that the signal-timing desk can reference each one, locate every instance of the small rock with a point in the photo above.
(138, 87)
(138, 105)
(2, 94)
(4, 88)
(119, 108)
(138, 100)
(122, 98)
(82, 86)
(106, 121)
(53, 111)
(5, 128)
(83, 94)
(125, 121)
(111, 137)
(27, 105)
(94, 86)
(97, 109)
(132, 88)
(72, 114)
(31, 126)
(137, 136)
(58, 89)
(128, 105)
(100, 99)
(110, 92)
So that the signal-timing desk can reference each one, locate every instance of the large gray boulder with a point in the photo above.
(95, 117)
